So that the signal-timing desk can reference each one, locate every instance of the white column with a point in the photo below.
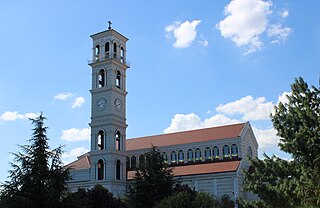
(93, 54)
(196, 185)
(235, 190)
(215, 187)
(102, 53)
(185, 156)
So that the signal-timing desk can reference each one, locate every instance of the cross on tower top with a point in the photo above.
(109, 27)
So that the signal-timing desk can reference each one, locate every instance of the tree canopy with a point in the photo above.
(37, 178)
(282, 183)
(97, 197)
(153, 181)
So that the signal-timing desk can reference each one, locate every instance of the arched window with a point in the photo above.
(226, 151)
(234, 150)
(216, 154)
(107, 49)
(127, 162)
(114, 50)
(118, 140)
(101, 140)
(207, 153)
(173, 157)
(190, 155)
(100, 169)
(198, 154)
(121, 55)
(118, 79)
(141, 160)
(102, 78)
(118, 167)
(249, 152)
(181, 156)
(165, 157)
(133, 162)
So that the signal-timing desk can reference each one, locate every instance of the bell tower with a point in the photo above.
(108, 110)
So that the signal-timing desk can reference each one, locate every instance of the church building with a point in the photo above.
(209, 160)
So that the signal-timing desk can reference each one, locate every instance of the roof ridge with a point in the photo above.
(186, 131)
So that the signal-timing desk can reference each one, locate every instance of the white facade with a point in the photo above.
(218, 184)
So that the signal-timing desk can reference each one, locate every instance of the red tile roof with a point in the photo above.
(82, 162)
(185, 137)
(198, 169)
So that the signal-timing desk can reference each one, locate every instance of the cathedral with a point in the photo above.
(209, 160)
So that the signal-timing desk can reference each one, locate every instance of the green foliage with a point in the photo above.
(79, 199)
(181, 199)
(205, 200)
(153, 182)
(281, 183)
(98, 197)
(298, 124)
(273, 181)
(37, 178)
(187, 199)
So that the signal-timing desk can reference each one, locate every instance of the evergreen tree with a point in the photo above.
(153, 181)
(298, 125)
(37, 178)
(282, 183)
(273, 181)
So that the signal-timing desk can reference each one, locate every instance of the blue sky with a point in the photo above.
(193, 65)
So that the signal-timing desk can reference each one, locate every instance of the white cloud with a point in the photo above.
(247, 20)
(284, 13)
(78, 102)
(184, 33)
(11, 116)
(14, 115)
(72, 135)
(279, 33)
(283, 97)
(218, 120)
(72, 155)
(31, 115)
(204, 42)
(252, 109)
(63, 96)
(182, 122)
(267, 138)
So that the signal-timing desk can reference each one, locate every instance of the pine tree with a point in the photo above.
(37, 178)
(153, 181)
(281, 183)
(298, 125)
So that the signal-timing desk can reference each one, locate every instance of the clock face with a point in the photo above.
(101, 103)
(117, 104)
